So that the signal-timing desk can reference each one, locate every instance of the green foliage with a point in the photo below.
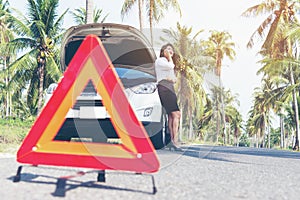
(275, 138)
(213, 111)
(155, 10)
(189, 70)
(244, 141)
(79, 15)
(38, 36)
(12, 132)
(280, 84)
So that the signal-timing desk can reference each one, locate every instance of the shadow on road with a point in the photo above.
(222, 153)
(70, 184)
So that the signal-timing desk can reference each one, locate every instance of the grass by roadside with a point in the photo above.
(12, 132)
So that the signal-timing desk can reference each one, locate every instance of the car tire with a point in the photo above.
(162, 137)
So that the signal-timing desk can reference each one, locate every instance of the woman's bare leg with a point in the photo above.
(175, 125)
(170, 126)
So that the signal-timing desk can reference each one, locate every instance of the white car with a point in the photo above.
(133, 58)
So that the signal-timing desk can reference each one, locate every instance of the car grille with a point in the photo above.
(87, 103)
(89, 90)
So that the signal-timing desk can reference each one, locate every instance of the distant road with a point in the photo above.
(200, 172)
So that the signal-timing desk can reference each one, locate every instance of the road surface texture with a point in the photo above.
(200, 172)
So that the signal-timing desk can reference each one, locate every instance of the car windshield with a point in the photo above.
(126, 52)
(129, 77)
(132, 77)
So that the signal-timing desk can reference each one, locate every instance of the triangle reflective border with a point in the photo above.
(135, 153)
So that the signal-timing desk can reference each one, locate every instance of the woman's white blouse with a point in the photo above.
(164, 69)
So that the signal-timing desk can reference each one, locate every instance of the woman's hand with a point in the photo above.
(167, 55)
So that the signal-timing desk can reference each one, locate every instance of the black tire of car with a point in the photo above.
(163, 137)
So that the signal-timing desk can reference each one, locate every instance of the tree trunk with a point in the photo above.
(141, 3)
(281, 132)
(218, 62)
(223, 121)
(296, 111)
(89, 11)
(191, 130)
(8, 103)
(228, 130)
(218, 120)
(269, 137)
(222, 126)
(180, 127)
(41, 71)
(151, 20)
(264, 141)
(256, 138)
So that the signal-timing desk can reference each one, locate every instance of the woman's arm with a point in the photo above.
(163, 64)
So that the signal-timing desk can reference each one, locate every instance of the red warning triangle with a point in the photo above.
(135, 153)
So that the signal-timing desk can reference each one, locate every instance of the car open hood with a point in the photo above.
(125, 45)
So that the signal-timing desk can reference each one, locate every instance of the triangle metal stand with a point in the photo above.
(60, 189)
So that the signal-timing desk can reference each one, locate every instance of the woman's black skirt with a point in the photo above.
(167, 96)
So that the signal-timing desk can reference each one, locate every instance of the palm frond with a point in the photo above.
(271, 33)
(79, 15)
(128, 4)
(18, 45)
(26, 61)
(52, 69)
(19, 23)
(174, 4)
(259, 9)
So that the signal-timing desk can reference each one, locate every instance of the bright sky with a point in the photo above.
(240, 75)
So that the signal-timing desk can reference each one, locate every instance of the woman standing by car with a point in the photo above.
(164, 68)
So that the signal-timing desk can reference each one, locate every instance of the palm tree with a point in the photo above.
(276, 45)
(191, 94)
(205, 120)
(155, 10)
(268, 104)
(6, 35)
(38, 35)
(265, 99)
(283, 110)
(218, 46)
(256, 124)
(234, 118)
(282, 91)
(281, 12)
(289, 125)
(128, 5)
(79, 16)
(216, 93)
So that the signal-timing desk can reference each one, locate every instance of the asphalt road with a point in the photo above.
(200, 172)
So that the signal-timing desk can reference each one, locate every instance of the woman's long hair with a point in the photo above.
(175, 57)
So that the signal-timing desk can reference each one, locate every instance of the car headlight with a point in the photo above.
(51, 88)
(146, 88)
